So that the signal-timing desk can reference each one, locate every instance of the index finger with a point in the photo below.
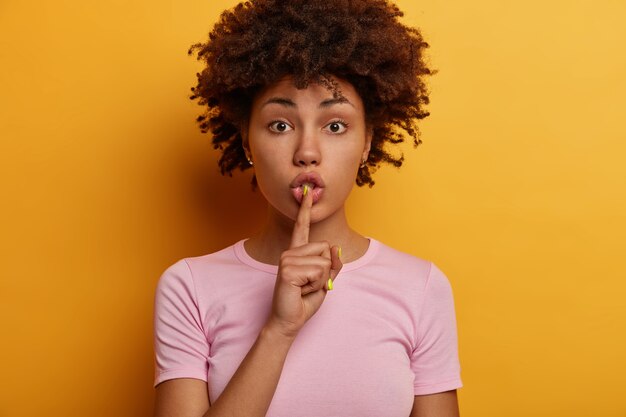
(300, 235)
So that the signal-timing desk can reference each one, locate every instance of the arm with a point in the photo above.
(249, 392)
(181, 397)
(442, 404)
(252, 387)
(435, 360)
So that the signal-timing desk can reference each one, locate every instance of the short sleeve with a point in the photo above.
(435, 360)
(180, 345)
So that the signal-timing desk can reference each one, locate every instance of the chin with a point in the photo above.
(289, 209)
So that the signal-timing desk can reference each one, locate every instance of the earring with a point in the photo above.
(243, 148)
(363, 164)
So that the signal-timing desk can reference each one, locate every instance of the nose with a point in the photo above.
(307, 151)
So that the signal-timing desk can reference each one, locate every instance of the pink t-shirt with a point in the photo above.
(385, 333)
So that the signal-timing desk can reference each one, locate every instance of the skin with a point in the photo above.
(292, 131)
(307, 143)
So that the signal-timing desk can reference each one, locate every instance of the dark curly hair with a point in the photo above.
(362, 41)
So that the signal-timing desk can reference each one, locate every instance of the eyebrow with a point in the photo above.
(339, 100)
(324, 104)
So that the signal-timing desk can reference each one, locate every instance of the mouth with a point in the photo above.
(314, 183)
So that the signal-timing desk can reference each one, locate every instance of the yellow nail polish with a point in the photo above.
(330, 284)
(339, 251)
(305, 190)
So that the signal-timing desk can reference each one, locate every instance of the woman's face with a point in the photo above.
(293, 132)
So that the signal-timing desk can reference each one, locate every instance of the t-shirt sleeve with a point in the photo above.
(435, 360)
(180, 345)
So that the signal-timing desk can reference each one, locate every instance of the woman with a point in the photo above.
(308, 94)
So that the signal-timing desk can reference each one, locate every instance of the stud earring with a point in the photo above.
(247, 157)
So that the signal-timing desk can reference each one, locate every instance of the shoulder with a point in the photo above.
(195, 264)
(401, 262)
(181, 273)
(422, 272)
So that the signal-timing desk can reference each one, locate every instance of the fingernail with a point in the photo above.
(305, 189)
(339, 251)
(330, 284)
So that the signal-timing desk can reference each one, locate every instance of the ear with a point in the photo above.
(368, 143)
(243, 132)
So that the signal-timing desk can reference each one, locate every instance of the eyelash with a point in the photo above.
(269, 126)
(345, 124)
(342, 122)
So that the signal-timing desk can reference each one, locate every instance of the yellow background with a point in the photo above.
(517, 193)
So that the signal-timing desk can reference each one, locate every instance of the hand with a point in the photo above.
(303, 273)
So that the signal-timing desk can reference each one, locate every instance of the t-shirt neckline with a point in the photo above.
(243, 256)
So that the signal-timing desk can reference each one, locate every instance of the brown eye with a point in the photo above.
(337, 127)
(279, 127)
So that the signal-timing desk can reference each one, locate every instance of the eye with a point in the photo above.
(279, 126)
(337, 127)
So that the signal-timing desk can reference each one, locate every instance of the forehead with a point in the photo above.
(314, 93)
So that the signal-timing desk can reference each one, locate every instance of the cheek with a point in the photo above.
(266, 175)
(346, 160)
(270, 176)
(344, 167)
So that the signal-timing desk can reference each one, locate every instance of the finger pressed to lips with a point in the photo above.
(300, 234)
(316, 194)
(321, 259)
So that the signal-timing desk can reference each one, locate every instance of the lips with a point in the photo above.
(313, 180)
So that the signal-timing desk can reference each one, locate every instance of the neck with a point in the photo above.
(275, 236)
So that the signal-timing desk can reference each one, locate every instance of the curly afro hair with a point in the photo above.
(362, 41)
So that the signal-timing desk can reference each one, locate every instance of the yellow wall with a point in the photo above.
(518, 193)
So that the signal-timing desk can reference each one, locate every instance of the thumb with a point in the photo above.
(336, 264)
